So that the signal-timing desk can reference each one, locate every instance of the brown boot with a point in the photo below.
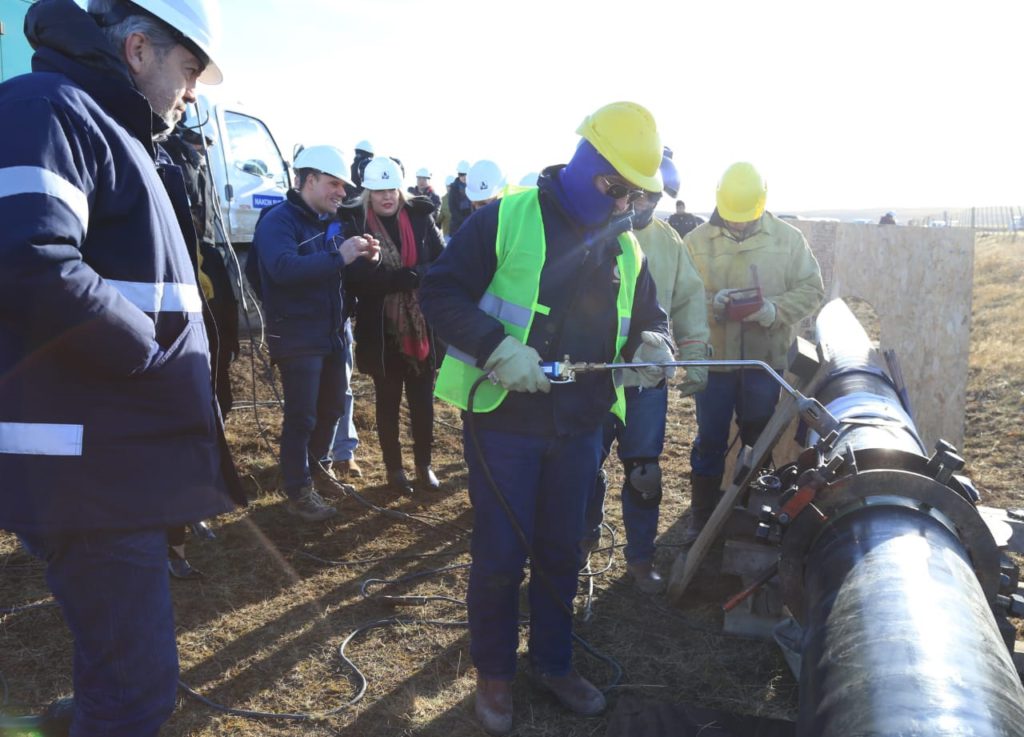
(348, 469)
(493, 705)
(576, 693)
(705, 491)
(647, 580)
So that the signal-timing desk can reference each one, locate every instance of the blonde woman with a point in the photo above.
(393, 343)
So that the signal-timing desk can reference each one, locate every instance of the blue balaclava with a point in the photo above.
(575, 186)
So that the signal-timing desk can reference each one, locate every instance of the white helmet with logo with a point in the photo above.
(198, 22)
(382, 173)
(484, 181)
(327, 159)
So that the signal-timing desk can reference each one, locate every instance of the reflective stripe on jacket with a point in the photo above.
(98, 430)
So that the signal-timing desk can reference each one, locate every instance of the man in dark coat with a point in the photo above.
(109, 432)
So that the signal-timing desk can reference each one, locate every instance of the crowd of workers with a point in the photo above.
(118, 324)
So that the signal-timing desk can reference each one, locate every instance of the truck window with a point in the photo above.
(253, 152)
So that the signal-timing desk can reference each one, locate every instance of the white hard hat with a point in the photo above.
(382, 173)
(530, 180)
(484, 181)
(462, 168)
(365, 145)
(328, 159)
(424, 172)
(198, 21)
(448, 180)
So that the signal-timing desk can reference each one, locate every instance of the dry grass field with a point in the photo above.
(262, 630)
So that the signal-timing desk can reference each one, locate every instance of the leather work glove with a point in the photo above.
(719, 303)
(405, 280)
(764, 316)
(696, 378)
(517, 367)
(655, 348)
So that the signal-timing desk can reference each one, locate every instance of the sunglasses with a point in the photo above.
(618, 190)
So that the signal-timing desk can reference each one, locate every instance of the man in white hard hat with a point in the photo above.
(300, 260)
(485, 183)
(423, 189)
(109, 432)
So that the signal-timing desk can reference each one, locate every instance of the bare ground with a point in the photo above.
(262, 630)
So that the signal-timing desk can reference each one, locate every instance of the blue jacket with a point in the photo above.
(107, 413)
(371, 281)
(300, 276)
(579, 285)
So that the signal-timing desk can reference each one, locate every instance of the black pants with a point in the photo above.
(419, 391)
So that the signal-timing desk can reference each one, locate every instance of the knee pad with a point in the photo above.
(643, 481)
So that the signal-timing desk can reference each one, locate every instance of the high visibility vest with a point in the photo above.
(511, 298)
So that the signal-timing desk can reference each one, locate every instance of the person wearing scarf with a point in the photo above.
(393, 343)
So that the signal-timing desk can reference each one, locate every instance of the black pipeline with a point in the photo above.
(891, 572)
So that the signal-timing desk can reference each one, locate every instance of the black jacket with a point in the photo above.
(370, 282)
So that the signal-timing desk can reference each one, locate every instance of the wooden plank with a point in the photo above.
(685, 566)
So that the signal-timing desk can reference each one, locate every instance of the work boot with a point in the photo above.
(348, 469)
(398, 481)
(426, 478)
(310, 506)
(576, 693)
(647, 580)
(202, 530)
(179, 567)
(321, 471)
(705, 491)
(493, 705)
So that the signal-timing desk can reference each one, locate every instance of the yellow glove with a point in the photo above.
(696, 379)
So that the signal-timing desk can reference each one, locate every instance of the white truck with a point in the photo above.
(248, 169)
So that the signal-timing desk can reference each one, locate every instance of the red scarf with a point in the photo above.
(401, 309)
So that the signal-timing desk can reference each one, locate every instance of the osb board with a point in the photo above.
(919, 282)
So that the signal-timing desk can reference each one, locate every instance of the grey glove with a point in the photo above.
(764, 316)
(517, 367)
(655, 348)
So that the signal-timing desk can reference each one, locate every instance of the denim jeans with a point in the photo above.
(546, 481)
(751, 394)
(346, 440)
(114, 592)
(314, 399)
(643, 436)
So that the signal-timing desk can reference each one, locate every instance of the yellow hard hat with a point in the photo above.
(741, 193)
(625, 134)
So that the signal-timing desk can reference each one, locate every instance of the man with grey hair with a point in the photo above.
(109, 431)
